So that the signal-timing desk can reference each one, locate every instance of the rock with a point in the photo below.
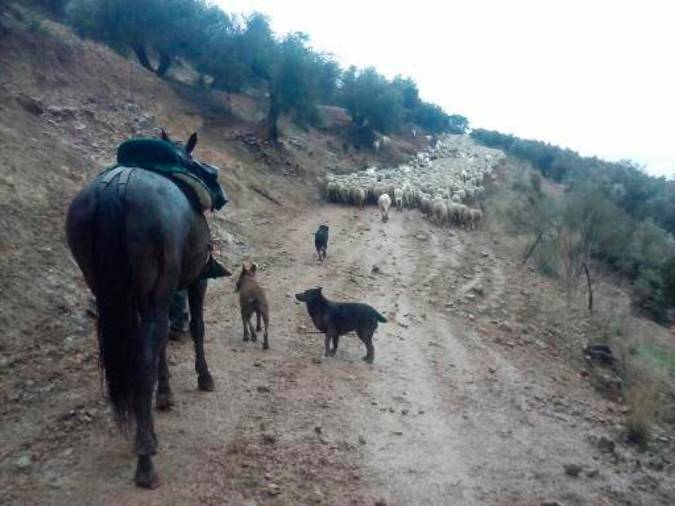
(404, 412)
(317, 496)
(551, 502)
(31, 105)
(362, 440)
(24, 464)
(478, 290)
(257, 364)
(605, 444)
(380, 502)
(593, 473)
(318, 429)
(506, 326)
(573, 469)
(269, 439)
(263, 389)
(375, 269)
(492, 369)
(398, 433)
(273, 489)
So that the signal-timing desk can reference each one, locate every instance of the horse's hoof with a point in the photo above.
(245, 339)
(206, 383)
(266, 346)
(254, 339)
(164, 401)
(147, 479)
(368, 359)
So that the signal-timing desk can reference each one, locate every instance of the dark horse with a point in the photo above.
(137, 239)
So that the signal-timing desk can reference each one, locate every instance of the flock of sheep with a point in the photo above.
(446, 182)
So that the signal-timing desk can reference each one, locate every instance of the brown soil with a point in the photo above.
(472, 398)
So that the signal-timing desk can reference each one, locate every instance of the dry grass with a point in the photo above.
(642, 400)
(644, 380)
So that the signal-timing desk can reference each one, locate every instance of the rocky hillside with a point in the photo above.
(479, 391)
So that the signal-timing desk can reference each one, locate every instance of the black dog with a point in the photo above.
(321, 241)
(338, 318)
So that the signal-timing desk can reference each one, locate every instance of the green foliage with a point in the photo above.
(617, 213)
(54, 8)
(371, 100)
(638, 194)
(294, 83)
(431, 117)
(234, 53)
(163, 25)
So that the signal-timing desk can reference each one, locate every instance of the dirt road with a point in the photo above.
(442, 417)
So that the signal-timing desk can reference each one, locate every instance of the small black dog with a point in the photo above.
(321, 241)
(338, 318)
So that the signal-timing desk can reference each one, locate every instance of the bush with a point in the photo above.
(622, 216)
(642, 401)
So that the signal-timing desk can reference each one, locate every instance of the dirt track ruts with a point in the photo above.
(442, 417)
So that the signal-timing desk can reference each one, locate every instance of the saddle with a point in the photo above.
(198, 180)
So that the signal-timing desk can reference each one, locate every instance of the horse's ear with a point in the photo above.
(191, 143)
(165, 136)
(254, 267)
(243, 267)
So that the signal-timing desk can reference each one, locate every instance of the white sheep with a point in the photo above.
(345, 193)
(440, 212)
(384, 203)
(359, 197)
(398, 198)
(476, 215)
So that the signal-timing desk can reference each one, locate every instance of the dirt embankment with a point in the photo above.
(468, 402)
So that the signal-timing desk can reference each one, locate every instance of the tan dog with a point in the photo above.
(252, 300)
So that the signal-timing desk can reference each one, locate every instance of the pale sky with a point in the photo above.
(595, 76)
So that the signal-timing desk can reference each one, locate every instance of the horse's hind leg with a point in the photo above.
(164, 398)
(258, 326)
(154, 334)
(196, 293)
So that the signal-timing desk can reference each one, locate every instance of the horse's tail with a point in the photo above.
(118, 320)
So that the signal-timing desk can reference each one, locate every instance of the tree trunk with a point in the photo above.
(272, 119)
(531, 249)
(143, 57)
(590, 287)
(164, 63)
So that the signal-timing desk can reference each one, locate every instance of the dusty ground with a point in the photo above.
(473, 398)
(444, 416)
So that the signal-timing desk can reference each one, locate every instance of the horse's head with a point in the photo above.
(207, 173)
